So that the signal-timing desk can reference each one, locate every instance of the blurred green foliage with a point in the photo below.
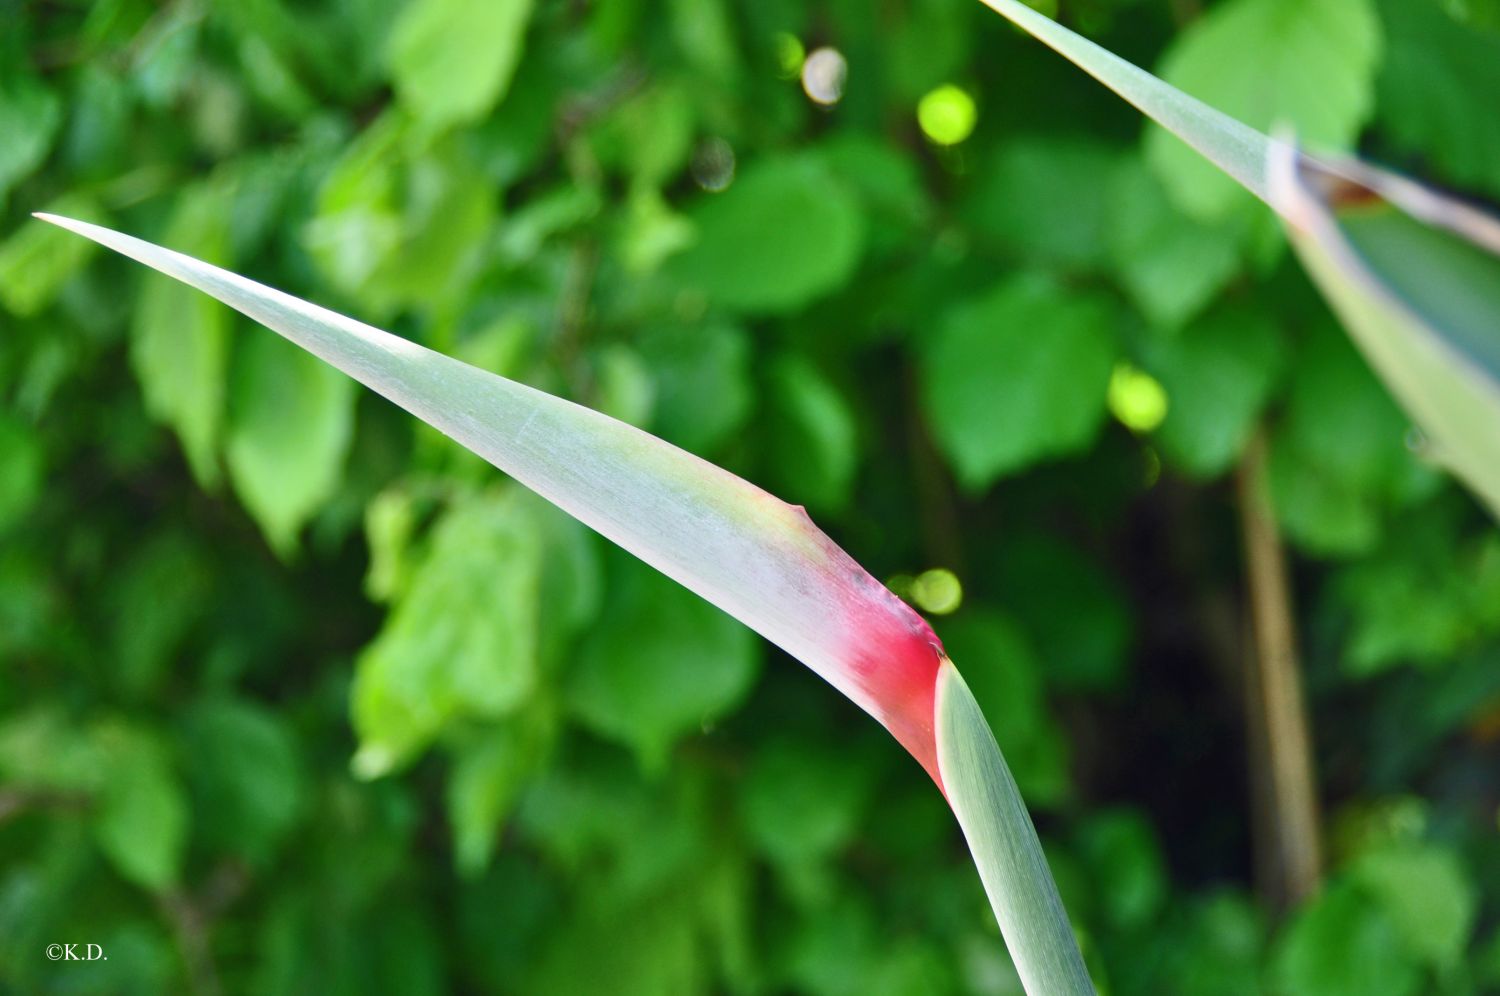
(299, 698)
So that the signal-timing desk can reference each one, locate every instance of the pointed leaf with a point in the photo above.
(758, 558)
(754, 556)
(1234, 147)
(1416, 279)
(1414, 275)
(1268, 63)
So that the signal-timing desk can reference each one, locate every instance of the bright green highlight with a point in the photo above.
(947, 115)
(1136, 398)
(937, 591)
(790, 54)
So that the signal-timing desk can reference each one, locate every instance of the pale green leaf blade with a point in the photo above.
(759, 559)
(1416, 279)
(1268, 63)
(1004, 843)
(1234, 147)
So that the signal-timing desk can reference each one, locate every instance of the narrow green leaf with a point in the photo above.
(759, 559)
(1416, 279)
(1005, 846)
(1414, 275)
(1234, 147)
(1318, 79)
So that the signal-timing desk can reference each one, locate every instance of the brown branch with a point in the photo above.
(1284, 795)
(18, 800)
(192, 918)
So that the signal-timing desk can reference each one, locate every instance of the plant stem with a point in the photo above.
(1287, 807)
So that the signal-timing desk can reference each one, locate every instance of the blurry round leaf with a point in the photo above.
(803, 802)
(1431, 90)
(147, 629)
(1427, 893)
(1126, 866)
(290, 424)
(1018, 376)
(141, 821)
(661, 663)
(703, 390)
(626, 389)
(1046, 198)
(1219, 373)
(461, 640)
(39, 258)
(452, 60)
(1222, 951)
(784, 233)
(813, 437)
(21, 469)
(1339, 458)
(488, 772)
(245, 774)
(180, 337)
(29, 116)
(1169, 264)
(1073, 612)
(1339, 944)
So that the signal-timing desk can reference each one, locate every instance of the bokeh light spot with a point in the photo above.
(1136, 398)
(937, 591)
(823, 75)
(713, 165)
(947, 115)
